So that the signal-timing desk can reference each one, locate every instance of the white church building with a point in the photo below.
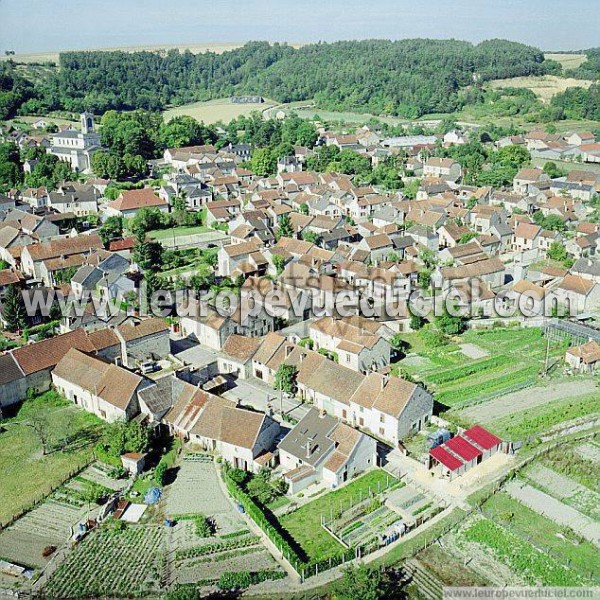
(77, 147)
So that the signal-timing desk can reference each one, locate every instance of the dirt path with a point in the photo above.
(529, 398)
(560, 513)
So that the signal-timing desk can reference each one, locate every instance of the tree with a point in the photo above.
(416, 322)
(148, 219)
(40, 424)
(185, 131)
(160, 473)
(450, 324)
(15, 313)
(278, 263)
(111, 229)
(285, 378)
(365, 583)
(11, 173)
(310, 236)
(92, 493)
(285, 227)
(557, 252)
(303, 208)
(263, 162)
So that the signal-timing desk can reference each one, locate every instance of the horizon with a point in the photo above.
(96, 25)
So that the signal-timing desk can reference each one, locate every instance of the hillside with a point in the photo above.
(407, 78)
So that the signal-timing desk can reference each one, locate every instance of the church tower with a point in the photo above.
(87, 122)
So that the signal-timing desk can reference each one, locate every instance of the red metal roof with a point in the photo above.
(460, 446)
(444, 457)
(482, 437)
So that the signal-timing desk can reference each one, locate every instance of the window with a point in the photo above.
(361, 422)
(347, 358)
(381, 431)
(381, 418)
(344, 414)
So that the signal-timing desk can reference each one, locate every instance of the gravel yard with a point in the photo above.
(197, 490)
(548, 506)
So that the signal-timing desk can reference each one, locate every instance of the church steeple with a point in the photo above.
(87, 122)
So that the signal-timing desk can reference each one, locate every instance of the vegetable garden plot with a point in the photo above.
(112, 563)
(47, 525)
(565, 489)
(589, 451)
(527, 562)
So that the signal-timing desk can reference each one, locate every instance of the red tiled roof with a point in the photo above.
(444, 457)
(462, 448)
(482, 437)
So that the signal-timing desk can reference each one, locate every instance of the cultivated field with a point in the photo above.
(544, 87)
(110, 562)
(510, 358)
(568, 61)
(216, 110)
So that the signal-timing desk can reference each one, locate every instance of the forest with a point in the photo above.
(408, 78)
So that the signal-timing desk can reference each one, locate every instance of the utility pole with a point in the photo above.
(547, 357)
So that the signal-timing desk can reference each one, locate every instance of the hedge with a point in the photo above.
(258, 516)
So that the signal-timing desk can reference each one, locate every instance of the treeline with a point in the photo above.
(590, 69)
(578, 103)
(407, 78)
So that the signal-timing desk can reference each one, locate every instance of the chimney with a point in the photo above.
(307, 446)
(322, 413)
(384, 380)
(288, 350)
(302, 356)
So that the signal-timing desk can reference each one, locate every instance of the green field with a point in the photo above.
(515, 357)
(216, 110)
(568, 61)
(27, 474)
(304, 524)
(166, 234)
(566, 547)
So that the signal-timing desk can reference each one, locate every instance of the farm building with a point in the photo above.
(584, 358)
(463, 452)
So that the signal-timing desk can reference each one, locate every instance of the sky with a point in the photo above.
(28, 26)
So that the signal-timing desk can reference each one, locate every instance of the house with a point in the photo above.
(489, 270)
(584, 358)
(527, 178)
(130, 202)
(357, 342)
(321, 449)
(237, 353)
(242, 437)
(580, 138)
(77, 199)
(578, 295)
(102, 388)
(587, 269)
(445, 168)
(527, 237)
(40, 260)
(454, 137)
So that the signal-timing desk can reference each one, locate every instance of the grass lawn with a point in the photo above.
(304, 524)
(162, 234)
(564, 545)
(522, 424)
(28, 475)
